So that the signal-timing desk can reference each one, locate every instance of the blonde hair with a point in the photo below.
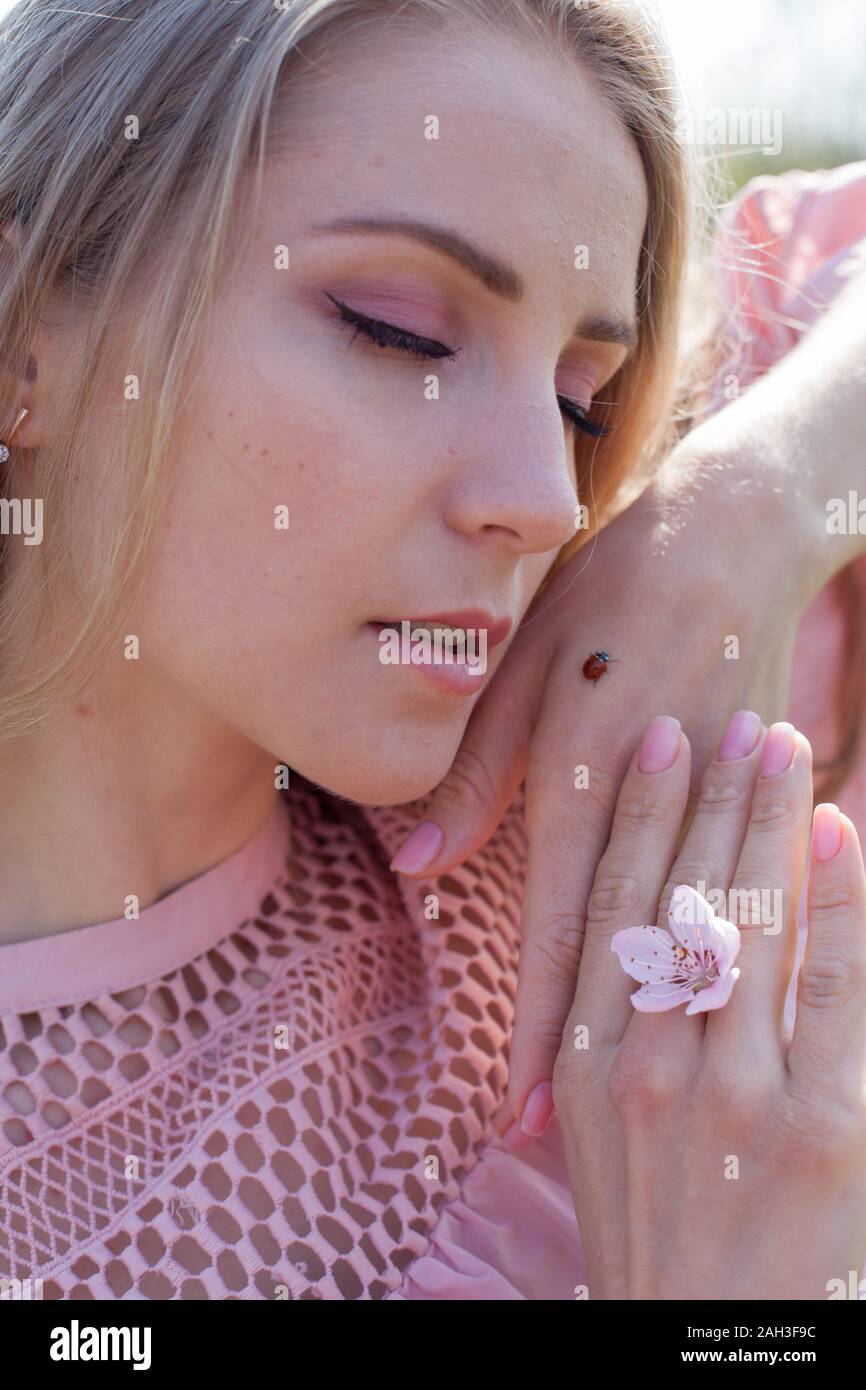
(97, 214)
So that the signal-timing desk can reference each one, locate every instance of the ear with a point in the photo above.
(28, 435)
(18, 385)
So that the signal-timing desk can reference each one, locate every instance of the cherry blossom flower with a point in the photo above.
(691, 964)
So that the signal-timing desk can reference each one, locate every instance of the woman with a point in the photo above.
(284, 283)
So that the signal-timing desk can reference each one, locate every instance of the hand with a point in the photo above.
(662, 588)
(712, 1156)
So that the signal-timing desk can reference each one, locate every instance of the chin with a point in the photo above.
(396, 779)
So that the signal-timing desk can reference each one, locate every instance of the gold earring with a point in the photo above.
(4, 452)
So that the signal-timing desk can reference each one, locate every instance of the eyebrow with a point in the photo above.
(498, 277)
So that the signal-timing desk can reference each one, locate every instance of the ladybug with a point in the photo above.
(596, 665)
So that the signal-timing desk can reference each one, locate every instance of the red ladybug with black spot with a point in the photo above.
(596, 666)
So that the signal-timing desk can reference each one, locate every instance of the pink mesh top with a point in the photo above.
(279, 1081)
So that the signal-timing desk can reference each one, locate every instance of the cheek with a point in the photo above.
(271, 493)
(263, 624)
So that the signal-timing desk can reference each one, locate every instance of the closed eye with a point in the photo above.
(388, 335)
(578, 416)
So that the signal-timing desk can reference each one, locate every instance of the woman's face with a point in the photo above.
(404, 500)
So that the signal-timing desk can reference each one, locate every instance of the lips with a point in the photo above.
(497, 628)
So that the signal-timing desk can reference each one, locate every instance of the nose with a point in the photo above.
(512, 474)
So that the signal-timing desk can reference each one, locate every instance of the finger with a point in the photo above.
(829, 1044)
(556, 887)
(765, 894)
(708, 855)
(568, 829)
(487, 770)
(631, 875)
(707, 858)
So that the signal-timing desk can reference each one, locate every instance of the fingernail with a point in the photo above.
(420, 849)
(740, 736)
(514, 1139)
(537, 1110)
(660, 744)
(826, 831)
(778, 749)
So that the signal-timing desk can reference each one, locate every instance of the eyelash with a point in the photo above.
(386, 335)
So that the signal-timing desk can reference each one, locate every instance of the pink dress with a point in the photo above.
(279, 1081)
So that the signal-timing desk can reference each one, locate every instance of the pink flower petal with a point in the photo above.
(729, 944)
(697, 926)
(716, 995)
(668, 965)
(690, 919)
(657, 999)
(645, 953)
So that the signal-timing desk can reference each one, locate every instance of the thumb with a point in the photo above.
(480, 785)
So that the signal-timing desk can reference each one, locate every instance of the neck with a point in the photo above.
(129, 795)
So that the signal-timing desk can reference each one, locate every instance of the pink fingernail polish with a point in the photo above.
(826, 831)
(420, 849)
(660, 743)
(778, 749)
(514, 1139)
(740, 736)
(537, 1110)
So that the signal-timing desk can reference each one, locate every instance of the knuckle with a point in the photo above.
(555, 949)
(540, 1029)
(757, 906)
(719, 793)
(833, 899)
(772, 815)
(831, 979)
(570, 1072)
(613, 896)
(638, 808)
(468, 783)
(637, 1082)
(575, 1069)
